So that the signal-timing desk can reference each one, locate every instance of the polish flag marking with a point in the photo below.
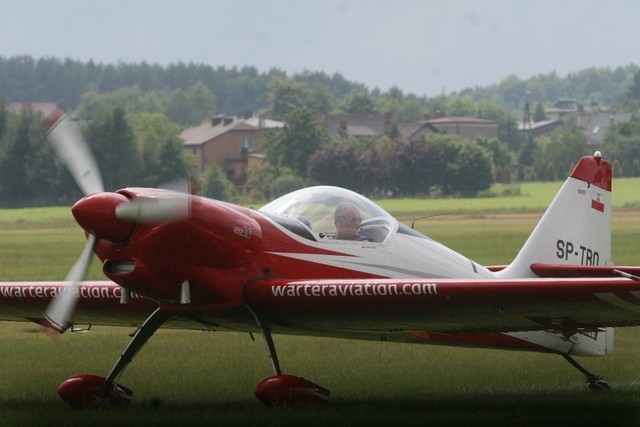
(596, 203)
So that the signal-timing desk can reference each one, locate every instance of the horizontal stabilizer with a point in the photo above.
(560, 270)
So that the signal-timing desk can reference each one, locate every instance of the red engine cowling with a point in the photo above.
(289, 390)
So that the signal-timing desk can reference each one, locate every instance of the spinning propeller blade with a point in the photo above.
(74, 153)
(151, 211)
(173, 206)
(60, 310)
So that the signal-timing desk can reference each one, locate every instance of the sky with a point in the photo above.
(424, 47)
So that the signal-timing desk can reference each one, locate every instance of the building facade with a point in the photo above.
(232, 143)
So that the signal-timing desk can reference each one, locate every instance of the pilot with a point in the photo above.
(347, 219)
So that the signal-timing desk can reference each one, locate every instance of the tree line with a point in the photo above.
(65, 81)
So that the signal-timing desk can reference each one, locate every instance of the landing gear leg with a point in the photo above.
(142, 335)
(95, 391)
(595, 382)
(285, 390)
(265, 331)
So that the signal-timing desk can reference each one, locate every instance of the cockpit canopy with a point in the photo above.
(310, 213)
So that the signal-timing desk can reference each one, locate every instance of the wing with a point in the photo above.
(99, 302)
(450, 306)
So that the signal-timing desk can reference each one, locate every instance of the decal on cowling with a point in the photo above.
(243, 231)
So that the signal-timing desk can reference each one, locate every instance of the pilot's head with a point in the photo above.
(347, 219)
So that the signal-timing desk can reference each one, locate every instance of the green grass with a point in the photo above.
(197, 378)
(59, 216)
(204, 378)
(533, 197)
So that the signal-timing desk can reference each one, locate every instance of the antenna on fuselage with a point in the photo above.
(413, 223)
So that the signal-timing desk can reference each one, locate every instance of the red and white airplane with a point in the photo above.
(183, 261)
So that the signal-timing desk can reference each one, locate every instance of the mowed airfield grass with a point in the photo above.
(208, 378)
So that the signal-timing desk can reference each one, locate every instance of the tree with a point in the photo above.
(284, 184)
(131, 98)
(28, 169)
(113, 143)
(403, 108)
(527, 155)
(285, 96)
(417, 166)
(500, 154)
(622, 145)
(201, 102)
(321, 100)
(216, 185)
(512, 91)
(260, 184)
(4, 119)
(357, 164)
(374, 173)
(335, 164)
(634, 90)
(161, 150)
(293, 145)
(448, 163)
(469, 169)
(561, 149)
(538, 115)
(17, 162)
(358, 101)
(178, 108)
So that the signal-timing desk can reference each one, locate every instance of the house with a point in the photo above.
(569, 107)
(466, 127)
(597, 125)
(356, 125)
(233, 143)
(593, 119)
(543, 127)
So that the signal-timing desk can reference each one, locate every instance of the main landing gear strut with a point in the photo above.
(284, 390)
(595, 382)
(94, 391)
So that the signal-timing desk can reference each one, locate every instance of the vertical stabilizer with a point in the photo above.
(576, 228)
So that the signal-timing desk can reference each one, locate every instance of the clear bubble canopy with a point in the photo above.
(315, 207)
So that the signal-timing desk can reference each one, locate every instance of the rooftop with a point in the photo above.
(207, 131)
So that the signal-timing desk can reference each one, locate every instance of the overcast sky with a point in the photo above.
(421, 46)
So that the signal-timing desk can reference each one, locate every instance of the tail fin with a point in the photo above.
(576, 228)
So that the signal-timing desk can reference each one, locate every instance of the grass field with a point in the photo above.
(204, 378)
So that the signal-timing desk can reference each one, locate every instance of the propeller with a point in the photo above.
(106, 216)
(74, 153)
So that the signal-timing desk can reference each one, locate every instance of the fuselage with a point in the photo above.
(223, 246)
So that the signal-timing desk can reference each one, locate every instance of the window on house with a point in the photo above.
(247, 144)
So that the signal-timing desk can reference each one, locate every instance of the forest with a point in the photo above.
(134, 113)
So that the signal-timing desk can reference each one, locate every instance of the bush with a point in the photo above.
(285, 184)
(216, 185)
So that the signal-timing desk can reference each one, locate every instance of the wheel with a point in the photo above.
(599, 385)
